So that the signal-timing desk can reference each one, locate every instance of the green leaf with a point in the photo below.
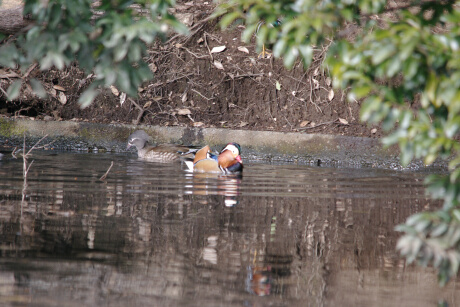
(13, 90)
(87, 97)
(228, 19)
(38, 88)
(383, 53)
(278, 85)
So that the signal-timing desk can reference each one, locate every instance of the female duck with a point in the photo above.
(161, 153)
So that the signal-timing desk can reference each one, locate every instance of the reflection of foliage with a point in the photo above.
(401, 54)
(433, 237)
(109, 40)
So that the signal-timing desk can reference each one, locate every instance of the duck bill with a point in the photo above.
(238, 158)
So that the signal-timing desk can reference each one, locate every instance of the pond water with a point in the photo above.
(155, 235)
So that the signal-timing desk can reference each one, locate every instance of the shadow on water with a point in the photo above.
(155, 235)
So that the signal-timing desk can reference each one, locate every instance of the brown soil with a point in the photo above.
(190, 90)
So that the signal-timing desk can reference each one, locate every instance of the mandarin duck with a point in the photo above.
(160, 153)
(228, 161)
(274, 24)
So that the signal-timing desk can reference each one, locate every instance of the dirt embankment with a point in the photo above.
(195, 87)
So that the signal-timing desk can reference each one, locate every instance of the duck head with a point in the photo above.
(229, 158)
(138, 139)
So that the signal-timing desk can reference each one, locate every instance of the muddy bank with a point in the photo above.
(315, 149)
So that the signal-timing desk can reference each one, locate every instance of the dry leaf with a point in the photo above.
(242, 124)
(53, 92)
(59, 88)
(218, 65)
(328, 81)
(184, 97)
(374, 130)
(198, 124)
(200, 40)
(343, 121)
(148, 104)
(243, 49)
(122, 98)
(278, 86)
(6, 75)
(157, 98)
(114, 90)
(185, 18)
(315, 83)
(62, 98)
(184, 112)
(153, 67)
(218, 49)
(330, 96)
(316, 72)
(304, 123)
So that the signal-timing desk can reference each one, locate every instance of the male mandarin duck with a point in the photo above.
(160, 153)
(228, 161)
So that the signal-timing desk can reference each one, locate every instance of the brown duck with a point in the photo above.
(160, 153)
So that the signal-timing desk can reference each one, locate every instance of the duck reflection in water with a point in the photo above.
(215, 184)
(259, 280)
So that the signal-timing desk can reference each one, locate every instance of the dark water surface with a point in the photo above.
(154, 235)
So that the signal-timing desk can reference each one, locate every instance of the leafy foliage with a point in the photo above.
(402, 54)
(109, 40)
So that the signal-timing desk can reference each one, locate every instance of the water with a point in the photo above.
(155, 235)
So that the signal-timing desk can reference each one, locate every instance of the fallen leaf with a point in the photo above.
(62, 98)
(59, 88)
(278, 86)
(316, 72)
(304, 123)
(185, 18)
(218, 65)
(114, 90)
(343, 121)
(122, 98)
(148, 104)
(218, 49)
(198, 124)
(328, 81)
(243, 49)
(6, 75)
(330, 96)
(184, 112)
(374, 130)
(200, 40)
(184, 97)
(242, 124)
(315, 83)
(153, 67)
